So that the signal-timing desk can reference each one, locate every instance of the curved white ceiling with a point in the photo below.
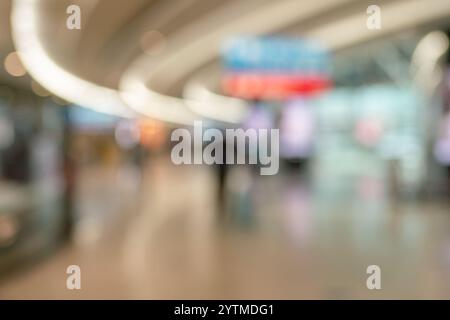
(146, 81)
(188, 56)
(25, 26)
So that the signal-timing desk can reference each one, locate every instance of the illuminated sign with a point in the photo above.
(274, 68)
(271, 86)
(275, 54)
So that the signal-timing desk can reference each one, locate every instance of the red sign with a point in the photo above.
(273, 86)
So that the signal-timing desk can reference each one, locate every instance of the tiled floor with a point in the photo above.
(290, 241)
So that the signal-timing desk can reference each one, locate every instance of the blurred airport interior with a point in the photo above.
(87, 179)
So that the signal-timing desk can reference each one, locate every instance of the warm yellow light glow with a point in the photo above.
(153, 42)
(54, 78)
(39, 90)
(14, 66)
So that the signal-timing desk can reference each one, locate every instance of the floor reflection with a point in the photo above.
(160, 235)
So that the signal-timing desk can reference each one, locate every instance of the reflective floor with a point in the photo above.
(158, 234)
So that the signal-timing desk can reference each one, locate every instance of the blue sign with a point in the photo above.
(275, 54)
